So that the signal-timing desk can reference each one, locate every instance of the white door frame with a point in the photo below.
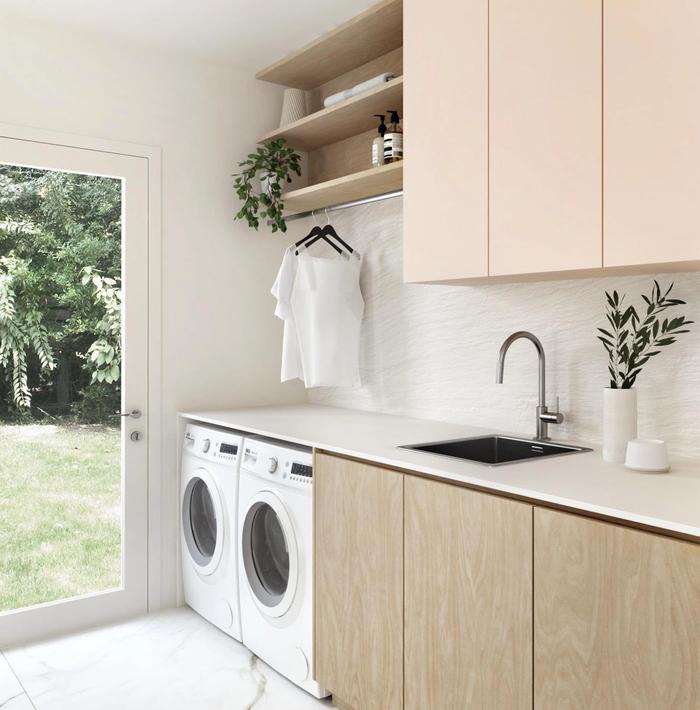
(154, 440)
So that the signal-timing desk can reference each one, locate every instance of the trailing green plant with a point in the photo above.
(631, 341)
(21, 330)
(104, 354)
(274, 162)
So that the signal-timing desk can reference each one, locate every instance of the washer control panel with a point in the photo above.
(275, 461)
(213, 444)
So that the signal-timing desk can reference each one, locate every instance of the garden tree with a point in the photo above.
(21, 330)
(60, 264)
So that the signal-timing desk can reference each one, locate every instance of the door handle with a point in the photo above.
(134, 414)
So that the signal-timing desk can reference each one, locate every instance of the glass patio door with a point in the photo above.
(73, 388)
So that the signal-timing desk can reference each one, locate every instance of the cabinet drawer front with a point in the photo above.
(617, 617)
(359, 582)
(468, 599)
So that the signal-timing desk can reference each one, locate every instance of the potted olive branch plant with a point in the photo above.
(631, 341)
(259, 184)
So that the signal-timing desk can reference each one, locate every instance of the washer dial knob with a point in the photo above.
(205, 445)
(272, 464)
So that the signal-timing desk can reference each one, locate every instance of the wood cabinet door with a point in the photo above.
(359, 583)
(468, 599)
(545, 167)
(617, 617)
(652, 131)
(445, 226)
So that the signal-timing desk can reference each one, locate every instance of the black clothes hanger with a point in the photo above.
(314, 235)
(329, 231)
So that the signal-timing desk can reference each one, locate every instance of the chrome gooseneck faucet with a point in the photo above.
(544, 416)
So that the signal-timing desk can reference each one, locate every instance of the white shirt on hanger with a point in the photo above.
(321, 304)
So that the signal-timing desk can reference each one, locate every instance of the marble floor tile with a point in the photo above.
(10, 687)
(169, 661)
(19, 702)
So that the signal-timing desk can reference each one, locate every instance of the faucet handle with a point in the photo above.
(558, 416)
(555, 417)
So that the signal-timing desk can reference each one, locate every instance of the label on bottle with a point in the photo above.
(393, 146)
(377, 154)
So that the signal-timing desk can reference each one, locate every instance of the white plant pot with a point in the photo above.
(619, 422)
(265, 181)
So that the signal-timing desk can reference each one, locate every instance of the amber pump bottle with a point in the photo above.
(393, 139)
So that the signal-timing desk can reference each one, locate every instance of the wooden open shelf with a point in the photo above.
(343, 120)
(365, 37)
(337, 140)
(367, 183)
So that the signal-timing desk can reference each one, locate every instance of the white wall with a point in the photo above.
(220, 343)
(431, 351)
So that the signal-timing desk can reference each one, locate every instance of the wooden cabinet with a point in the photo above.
(617, 617)
(468, 599)
(549, 137)
(430, 595)
(445, 226)
(545, 142)
(652, 135)
(359, 583)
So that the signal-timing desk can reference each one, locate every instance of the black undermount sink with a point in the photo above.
(496, 450)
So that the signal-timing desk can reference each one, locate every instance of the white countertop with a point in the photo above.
(668, 501)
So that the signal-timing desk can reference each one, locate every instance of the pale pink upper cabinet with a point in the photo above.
(446, 168)
(652, 131)
(545, 136)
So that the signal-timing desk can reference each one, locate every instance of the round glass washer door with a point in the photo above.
(203, 521)
(269, 554)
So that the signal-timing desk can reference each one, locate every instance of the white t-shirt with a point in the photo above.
(321, 304)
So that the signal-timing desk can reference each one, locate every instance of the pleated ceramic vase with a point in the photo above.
(619, 422)
(293, 106)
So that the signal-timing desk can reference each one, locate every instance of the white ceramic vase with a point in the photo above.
(293, 106)
(619, 422)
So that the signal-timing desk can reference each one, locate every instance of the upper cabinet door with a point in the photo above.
(652, 131)
(545, 135)
(446, 172)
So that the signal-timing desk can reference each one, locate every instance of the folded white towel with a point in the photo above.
(337, 98)
(358, 89)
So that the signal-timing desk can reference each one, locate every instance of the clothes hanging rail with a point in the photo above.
(345, 205)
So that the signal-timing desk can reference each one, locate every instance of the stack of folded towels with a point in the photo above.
(363, 86)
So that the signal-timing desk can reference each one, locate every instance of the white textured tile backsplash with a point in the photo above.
(430, 351)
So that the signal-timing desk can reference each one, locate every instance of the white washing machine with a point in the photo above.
(209, 509)
(275, 557)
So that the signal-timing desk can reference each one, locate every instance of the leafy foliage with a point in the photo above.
(275, 162)
(632, 341)
(104, 355)
(52, 225)
(21, 329)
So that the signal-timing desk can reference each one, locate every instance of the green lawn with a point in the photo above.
(60, 510)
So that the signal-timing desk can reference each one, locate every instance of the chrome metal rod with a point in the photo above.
(346, 205)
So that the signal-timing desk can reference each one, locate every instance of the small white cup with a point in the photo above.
(647, 455)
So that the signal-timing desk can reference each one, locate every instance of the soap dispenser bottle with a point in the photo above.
(393, 140)
(378, 142)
